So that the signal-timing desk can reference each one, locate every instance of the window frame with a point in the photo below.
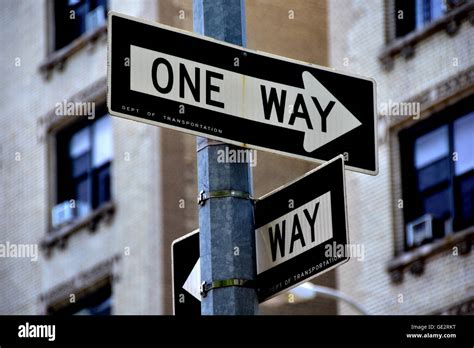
(404, 46)
(53, 45)
(392, 11)
(102, 273)
(47, 127)
(406, 139)
(56, 59)
(86, 298)
(452, 90)
(91, 174)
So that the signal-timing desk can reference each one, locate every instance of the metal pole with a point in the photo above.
(227, 244)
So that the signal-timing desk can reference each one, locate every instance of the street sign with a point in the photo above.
(301, 230)
(186, 274)
(183, 81)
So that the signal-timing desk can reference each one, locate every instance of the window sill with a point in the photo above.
(57, 59)
(405, 46)
(414, 260)
(58, 238)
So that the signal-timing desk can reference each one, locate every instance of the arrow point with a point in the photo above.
(193, 282)
(339, 121)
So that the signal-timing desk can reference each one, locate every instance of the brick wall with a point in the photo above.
(28, 97)
(356, 37)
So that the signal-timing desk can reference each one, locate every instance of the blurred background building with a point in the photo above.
(104, 197)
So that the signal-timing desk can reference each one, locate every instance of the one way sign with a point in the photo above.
(301, 230)
(201, 86)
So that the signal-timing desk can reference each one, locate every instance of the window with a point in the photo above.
(72, 18)
(84, 155)
(97, 302)
(412, 15)
(438, 176)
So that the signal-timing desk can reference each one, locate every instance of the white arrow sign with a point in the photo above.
(194, 84)
(312, 110)
(193, 282)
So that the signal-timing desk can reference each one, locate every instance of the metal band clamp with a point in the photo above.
(204, 196)
(243, 283)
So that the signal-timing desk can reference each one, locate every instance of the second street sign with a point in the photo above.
(186, 275)
(301, 230)
(201, 86)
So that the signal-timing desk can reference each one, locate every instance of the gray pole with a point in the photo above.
(227, 244)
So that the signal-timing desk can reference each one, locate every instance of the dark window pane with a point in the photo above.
(81, 165)
(433, 174)
(61, 23)
(79, 22)
(64, 187)
(98, 302)
(105, 308)
(438, 204)
(69, 21)
(405, 17)
(102, 187)
(83, 197)
(465, 199)
(73, 18)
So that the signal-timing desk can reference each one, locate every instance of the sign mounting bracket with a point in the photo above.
(243, 283)
(204, 196)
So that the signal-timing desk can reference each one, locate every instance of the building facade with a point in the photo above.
(415, 219)
(103, 198)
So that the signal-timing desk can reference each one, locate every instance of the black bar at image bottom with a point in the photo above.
(280, 330)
